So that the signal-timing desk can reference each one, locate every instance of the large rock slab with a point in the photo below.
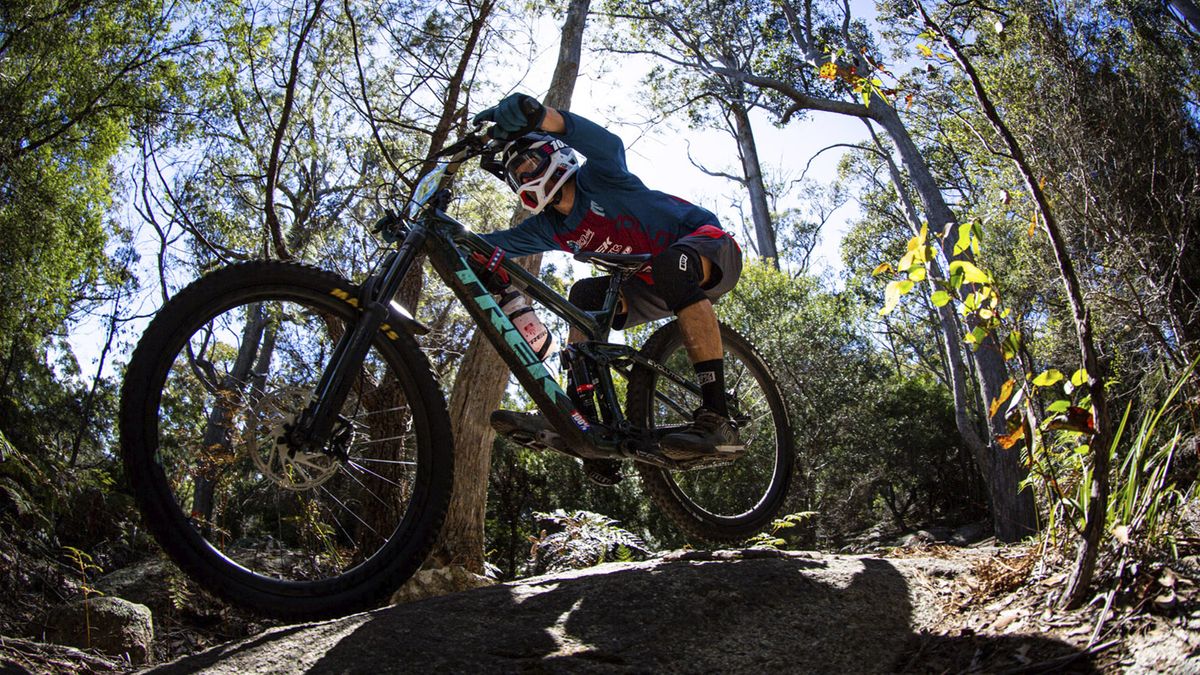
(686, 613)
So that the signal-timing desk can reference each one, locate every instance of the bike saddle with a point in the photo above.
(614, 262)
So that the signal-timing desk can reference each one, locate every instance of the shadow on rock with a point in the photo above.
(787, 614)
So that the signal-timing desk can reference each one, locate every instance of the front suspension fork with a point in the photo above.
(313, 428)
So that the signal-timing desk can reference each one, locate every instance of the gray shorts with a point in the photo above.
(642, 304)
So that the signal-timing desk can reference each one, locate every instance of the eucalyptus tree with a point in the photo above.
(826, 61)
(1122, 226)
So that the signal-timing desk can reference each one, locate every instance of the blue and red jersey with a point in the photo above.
(614, 212)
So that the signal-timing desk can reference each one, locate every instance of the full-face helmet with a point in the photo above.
(536, 166)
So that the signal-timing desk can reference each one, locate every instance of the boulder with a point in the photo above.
(109, 625)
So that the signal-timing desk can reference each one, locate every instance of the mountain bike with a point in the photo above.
(290, 447)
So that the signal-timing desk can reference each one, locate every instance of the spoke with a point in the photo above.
(382, 478)
(383, 440)
(378, 412)
(364, 486)
(353, 541)
(384, 461)
(347, 509)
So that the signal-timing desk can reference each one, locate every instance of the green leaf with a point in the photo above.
(1048, 377)
(1059, 406)
(940, 298)
(956, 278)
(1011, 345)
(905, 286)
(964, 238)
(917, 274)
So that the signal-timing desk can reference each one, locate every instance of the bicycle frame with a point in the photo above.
(444, 240)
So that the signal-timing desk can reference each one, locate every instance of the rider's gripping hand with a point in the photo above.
(515, 116)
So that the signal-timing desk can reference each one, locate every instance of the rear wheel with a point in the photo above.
(724, 504)
(219, 376)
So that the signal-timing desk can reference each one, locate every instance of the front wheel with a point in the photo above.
(724, 504)
(216, 381)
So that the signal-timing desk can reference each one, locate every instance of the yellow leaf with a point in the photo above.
(971, 273)
(883, 268)
(891, 298)
(1005, 391)
(1008, 440)
(925, 51)
(1033, 224)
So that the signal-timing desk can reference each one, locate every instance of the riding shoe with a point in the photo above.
(606, 472)
(710, 434)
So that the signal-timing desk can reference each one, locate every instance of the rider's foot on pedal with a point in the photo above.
(710, 434)
(606, 472)
(506, 422)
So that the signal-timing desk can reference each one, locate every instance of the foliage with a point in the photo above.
(75, 78)
(583, 539)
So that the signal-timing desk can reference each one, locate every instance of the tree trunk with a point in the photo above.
(764, 229)
(1013, 513)
(479, 385)
(949, 326)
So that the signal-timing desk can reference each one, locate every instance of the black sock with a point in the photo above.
(711, 376)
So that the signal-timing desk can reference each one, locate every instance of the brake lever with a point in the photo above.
(473, 140)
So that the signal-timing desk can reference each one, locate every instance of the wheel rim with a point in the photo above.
(238, 378)
(736, 492)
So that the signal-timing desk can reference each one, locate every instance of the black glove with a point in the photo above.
(515, 116)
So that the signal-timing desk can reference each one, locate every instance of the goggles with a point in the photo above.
(534, 163)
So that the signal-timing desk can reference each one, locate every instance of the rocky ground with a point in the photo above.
(920, 607)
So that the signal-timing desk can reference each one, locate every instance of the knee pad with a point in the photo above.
(589, 293)
(677, 275)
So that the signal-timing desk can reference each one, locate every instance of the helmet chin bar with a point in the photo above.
(557, 162)
(543, 196)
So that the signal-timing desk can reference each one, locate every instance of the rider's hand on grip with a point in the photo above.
(386, 226)
(513, 117)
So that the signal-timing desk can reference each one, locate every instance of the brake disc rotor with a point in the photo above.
(291, 469)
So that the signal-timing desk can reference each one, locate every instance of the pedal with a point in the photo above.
(541, 440)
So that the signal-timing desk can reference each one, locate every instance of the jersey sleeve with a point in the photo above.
(605, 151)
(532, 235)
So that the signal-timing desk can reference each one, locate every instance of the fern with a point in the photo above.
(18, 478)
(584, 539)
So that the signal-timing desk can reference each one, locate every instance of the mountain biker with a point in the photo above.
(600, 206)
